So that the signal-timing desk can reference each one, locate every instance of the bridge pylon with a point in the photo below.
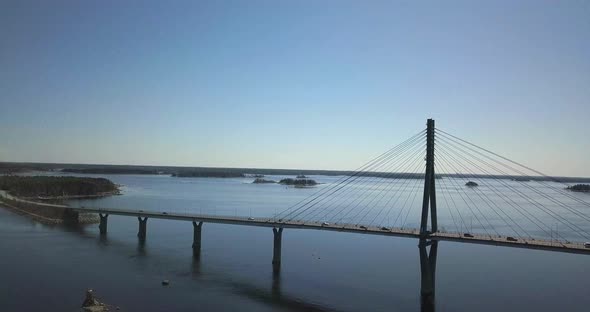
(429, 199)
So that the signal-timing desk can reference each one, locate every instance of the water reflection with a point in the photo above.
(196, 265)
(103, 241)
(274, 297)
(276, 285)
(428, 274)
(141, 250)
(273, 293)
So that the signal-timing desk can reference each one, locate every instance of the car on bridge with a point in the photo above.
(325, 224)
(511, 239)
(587, 244)
(250, 218)
(467, 235)
(363, 227)
(385, 228)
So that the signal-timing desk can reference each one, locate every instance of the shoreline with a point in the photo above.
(36, 217)
(46, 213)
(84, 218)
(106, 169)
(66, 197)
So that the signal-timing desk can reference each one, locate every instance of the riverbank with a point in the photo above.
(46, 213)
(67, 197)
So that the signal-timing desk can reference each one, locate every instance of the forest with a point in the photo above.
(52, 186)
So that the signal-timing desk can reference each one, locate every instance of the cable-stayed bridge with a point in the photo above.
(483, 197)
(432, 186)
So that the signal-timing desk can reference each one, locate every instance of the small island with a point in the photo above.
(471, 184)
(579, 188)
(263, 181)
(57, 187)
(298, 182)
(521, 179)
(208, 174)
(41, 197)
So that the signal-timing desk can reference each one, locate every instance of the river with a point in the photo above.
(48, 268)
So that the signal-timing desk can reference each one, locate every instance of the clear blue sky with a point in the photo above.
(291, 84)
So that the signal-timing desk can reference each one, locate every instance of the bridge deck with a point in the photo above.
(568, 247)
(351, 228)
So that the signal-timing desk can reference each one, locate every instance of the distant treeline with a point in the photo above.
(8, 168)
(579, 188)
(109, 171)
(239, 172)
(46, 186)
(208, 174)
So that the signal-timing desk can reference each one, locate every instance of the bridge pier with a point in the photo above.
(197, 238)
(104, 218)
(276, 255)
(142, 227)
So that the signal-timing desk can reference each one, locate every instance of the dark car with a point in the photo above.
(511, 239)
(467, 235)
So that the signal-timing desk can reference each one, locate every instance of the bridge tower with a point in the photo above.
(429, 199)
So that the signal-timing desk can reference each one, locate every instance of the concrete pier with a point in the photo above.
(142, 227)
(104, 218)
(276, 255)
(197, 237)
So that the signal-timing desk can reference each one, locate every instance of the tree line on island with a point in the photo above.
(220, 172)
(579, 188)
(53, 186)
(288, 181)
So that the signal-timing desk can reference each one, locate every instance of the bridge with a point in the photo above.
(512, 193)
(513, 205)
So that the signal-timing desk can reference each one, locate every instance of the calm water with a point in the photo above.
(49, 267)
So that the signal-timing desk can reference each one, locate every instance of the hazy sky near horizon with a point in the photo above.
(291, 84)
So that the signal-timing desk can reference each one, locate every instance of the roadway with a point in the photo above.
(567, 247)
(559, 246)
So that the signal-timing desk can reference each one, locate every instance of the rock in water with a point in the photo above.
(91, 304)
(260, 181)
(89, 300)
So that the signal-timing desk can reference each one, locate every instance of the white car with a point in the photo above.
(250, 218)
(325, 223)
